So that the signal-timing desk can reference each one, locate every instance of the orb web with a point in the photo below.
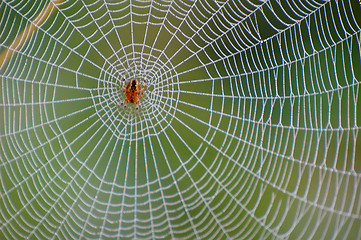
(248, 126)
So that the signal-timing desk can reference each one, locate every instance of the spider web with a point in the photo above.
(249, 125)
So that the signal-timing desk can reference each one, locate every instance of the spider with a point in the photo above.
(133, 92)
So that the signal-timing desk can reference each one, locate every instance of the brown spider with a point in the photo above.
(133, 92)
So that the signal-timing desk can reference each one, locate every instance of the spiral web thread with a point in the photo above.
(248, 127)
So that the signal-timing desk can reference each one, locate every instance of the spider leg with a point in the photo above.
(125, 91)
(124, 84)
(124, 103)
(138, 106)
(145, 81)
(143, 88)
(124, 80)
